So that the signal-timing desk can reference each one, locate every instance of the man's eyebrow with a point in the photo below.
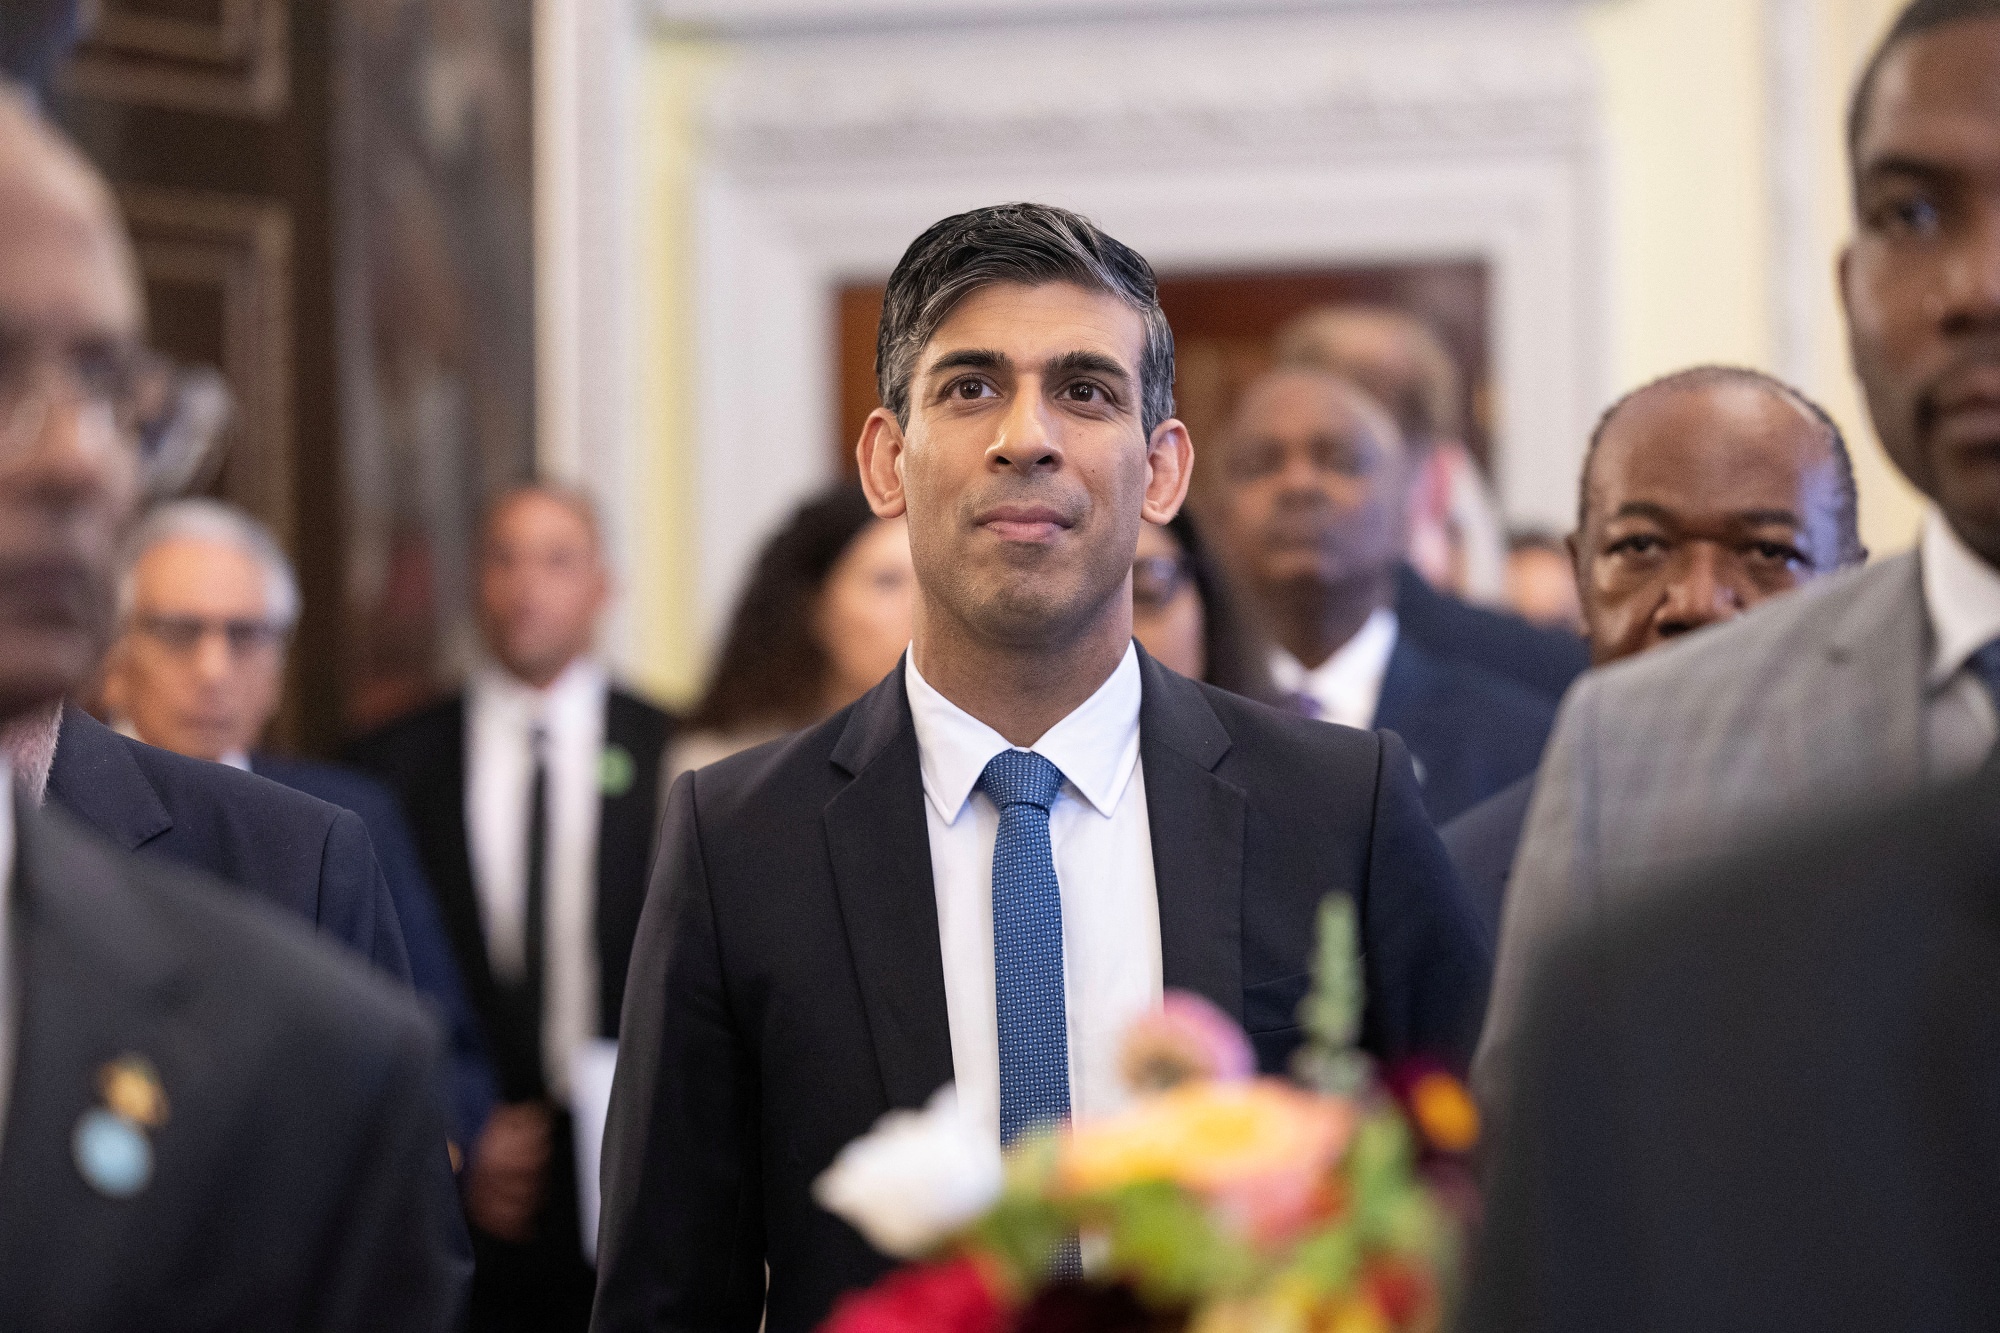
(1744, 517)
(970, 358)
(1086, 363)
(1899, 165)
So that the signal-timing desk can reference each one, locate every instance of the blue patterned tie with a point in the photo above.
(1027, 945)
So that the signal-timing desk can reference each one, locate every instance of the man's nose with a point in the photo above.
(1701, 592)
(70, 450)
(213, 661)
(1026, 443)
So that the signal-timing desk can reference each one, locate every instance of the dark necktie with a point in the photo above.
(534, 924)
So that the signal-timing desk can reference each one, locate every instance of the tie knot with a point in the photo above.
(1020, 777)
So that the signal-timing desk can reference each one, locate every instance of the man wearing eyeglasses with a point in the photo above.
(206, 604)
(210, 1120)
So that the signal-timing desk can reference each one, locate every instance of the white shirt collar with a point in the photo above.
(575, 694)
(1347, 687)
(1961, 595)
(1096, 746)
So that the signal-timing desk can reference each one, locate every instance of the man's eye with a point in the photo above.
(1912, 215)
(970, 389)
(1639, 544)
(1779, 553)
(1083, 391)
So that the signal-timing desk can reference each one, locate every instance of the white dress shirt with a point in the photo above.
(501, 715)
(1347, 687)
(1962, 600)
(1103, 850)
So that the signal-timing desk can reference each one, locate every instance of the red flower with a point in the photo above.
(953, 1297)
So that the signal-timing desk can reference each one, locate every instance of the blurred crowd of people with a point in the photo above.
(1018, 728)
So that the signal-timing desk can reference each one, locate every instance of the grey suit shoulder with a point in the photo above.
(1812, 702)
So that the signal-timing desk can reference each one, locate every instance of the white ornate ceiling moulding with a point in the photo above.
(767, 17)
(1267, 88)
(1211, 145)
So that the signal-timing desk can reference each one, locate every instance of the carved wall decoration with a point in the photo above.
(218, 274)
(230, 57)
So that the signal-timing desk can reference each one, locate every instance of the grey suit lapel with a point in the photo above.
(1859, 709)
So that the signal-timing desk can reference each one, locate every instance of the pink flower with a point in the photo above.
(953, 1297)
(1186, 1039)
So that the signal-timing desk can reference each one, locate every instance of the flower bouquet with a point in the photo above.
(1218, 1202)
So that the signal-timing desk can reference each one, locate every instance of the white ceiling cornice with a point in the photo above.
(777, 18)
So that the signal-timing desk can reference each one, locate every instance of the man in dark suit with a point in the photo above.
(210, 1119)
(206, 602)
(1311, 502)
(1704, 494)
(1761, 1095)
(983, 870)
(1400, 361)
(535, 798)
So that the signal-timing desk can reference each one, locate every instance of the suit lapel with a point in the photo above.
(1873, 663)
(1198, 823)
(96, 983)
(98, 781)
(879, 843)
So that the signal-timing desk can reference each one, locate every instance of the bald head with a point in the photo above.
(1396, 357)
(67, 264)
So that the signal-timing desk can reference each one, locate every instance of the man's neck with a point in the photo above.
(1019, 690)
(1313, 621)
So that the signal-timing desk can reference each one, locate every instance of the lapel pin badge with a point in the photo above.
(615, 771)
(110, 1143)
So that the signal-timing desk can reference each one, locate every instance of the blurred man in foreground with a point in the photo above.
(1402, 364)
(1704, 494)
(1312, 498)
(206, 603)
(209, 1118)
(1760, 1092)
(534, 796)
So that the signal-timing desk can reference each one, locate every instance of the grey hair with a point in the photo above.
(212, 521)
(1031, 244)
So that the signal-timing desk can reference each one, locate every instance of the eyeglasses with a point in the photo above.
(123, 392)
(183, 634)
(1157, 580)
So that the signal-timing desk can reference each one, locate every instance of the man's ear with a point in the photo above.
(880, 455)
(1169, 470)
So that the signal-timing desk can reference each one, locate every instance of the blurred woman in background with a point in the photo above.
(824, 617)
(1186, 615)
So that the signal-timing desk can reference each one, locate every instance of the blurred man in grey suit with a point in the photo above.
(1876, 682)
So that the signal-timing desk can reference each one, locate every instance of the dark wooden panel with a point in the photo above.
(218, 277)
(228, 57)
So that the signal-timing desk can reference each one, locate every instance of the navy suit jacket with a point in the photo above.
(1482, 843)
(294, 1179)
(1543, 660)
(1470, 732)
(312, 859)
(787, 988)
(432, 971)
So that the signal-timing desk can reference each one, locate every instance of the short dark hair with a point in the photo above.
(1031, 244)
(772, 671)
(1847, 516)
(1918, 17)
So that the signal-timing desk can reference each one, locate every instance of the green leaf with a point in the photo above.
(1166, 1243)
(1331, 1012)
